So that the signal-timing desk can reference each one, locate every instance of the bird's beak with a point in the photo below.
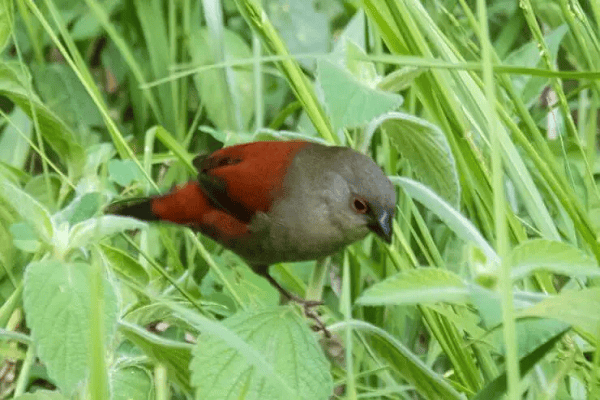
(382, 225)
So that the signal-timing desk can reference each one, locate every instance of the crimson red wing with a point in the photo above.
(245, 179)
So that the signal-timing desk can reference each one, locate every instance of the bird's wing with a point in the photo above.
(245, 179)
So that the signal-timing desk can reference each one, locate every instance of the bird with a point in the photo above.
(278, 201)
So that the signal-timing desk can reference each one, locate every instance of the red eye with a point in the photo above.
(360, 206)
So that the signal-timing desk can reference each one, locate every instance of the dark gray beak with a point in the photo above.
(382, 225)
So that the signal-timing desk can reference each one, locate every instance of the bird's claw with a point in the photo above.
(308, 306)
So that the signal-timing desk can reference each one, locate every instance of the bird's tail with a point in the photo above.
(138, 208)
(186, 204)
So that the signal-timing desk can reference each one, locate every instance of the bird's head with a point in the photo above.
(366, 197)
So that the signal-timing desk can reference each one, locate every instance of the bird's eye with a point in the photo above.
(360, 206)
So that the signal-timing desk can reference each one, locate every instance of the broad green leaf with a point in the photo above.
(363, 70)
(88, 26)
(174, 355)
(14, 146)
(71, 103)
(94, 229)
(131, 383)
(529, 55)
(304, 29)
(96, 156)
(580, 308)
(53, 129)
(208, 82)
(6, 21)
(266, 354)
(28, 208)
(455, 221)
(354, 31)
(490, 309)
(24, 237)
(38, 188)
(426, 149)
(57, 302)
(125, 265)
(9, 254)
(496, 389)
(123, 172)
(553, 256)
(349, 102)
(428, 383)
(86, 207)
(400, 79)
(417, 286)
(530, 333)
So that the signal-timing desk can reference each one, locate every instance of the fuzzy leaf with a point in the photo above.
(426, 149)
(32, 211)
(553, 256)
(94, 229)
(267, 354)
(350, 103)
(580, 308)
(57, 301)
(422, 285)
(131, 383)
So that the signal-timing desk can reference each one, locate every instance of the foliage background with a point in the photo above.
(485, 116)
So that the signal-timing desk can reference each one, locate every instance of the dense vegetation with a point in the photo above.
(484, 116)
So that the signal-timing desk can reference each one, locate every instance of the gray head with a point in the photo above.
(370, 196)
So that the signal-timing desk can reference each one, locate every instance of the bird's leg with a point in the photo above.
(307, 305)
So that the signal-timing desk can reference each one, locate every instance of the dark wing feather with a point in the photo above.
(245, 179)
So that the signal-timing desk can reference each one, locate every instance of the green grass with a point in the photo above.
(487, 290)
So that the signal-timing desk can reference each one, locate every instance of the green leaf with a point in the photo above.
(125, 265)
(129, 383)
(266, 354)
(24, 237)
(350, 103)
(42, 395)
(224, 110)
(428, 383)
(364, 71)
(174, 355)
(530, 333)
(553, 256)
(304, 29)
(88, 25)
(96, 156)
(400, 79)
(45, 189)
(123, 172)
(497, 388)
(32, 211)
(94, 229)
(490, 308)
(58, 305)
(175, 146)
(418, 286)
(426, 149)
(86, 207)
(52, 128)
(71, 103)
(529, 55)
(455, 221)
(6, 22)
(14, 146)
(580, 308)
